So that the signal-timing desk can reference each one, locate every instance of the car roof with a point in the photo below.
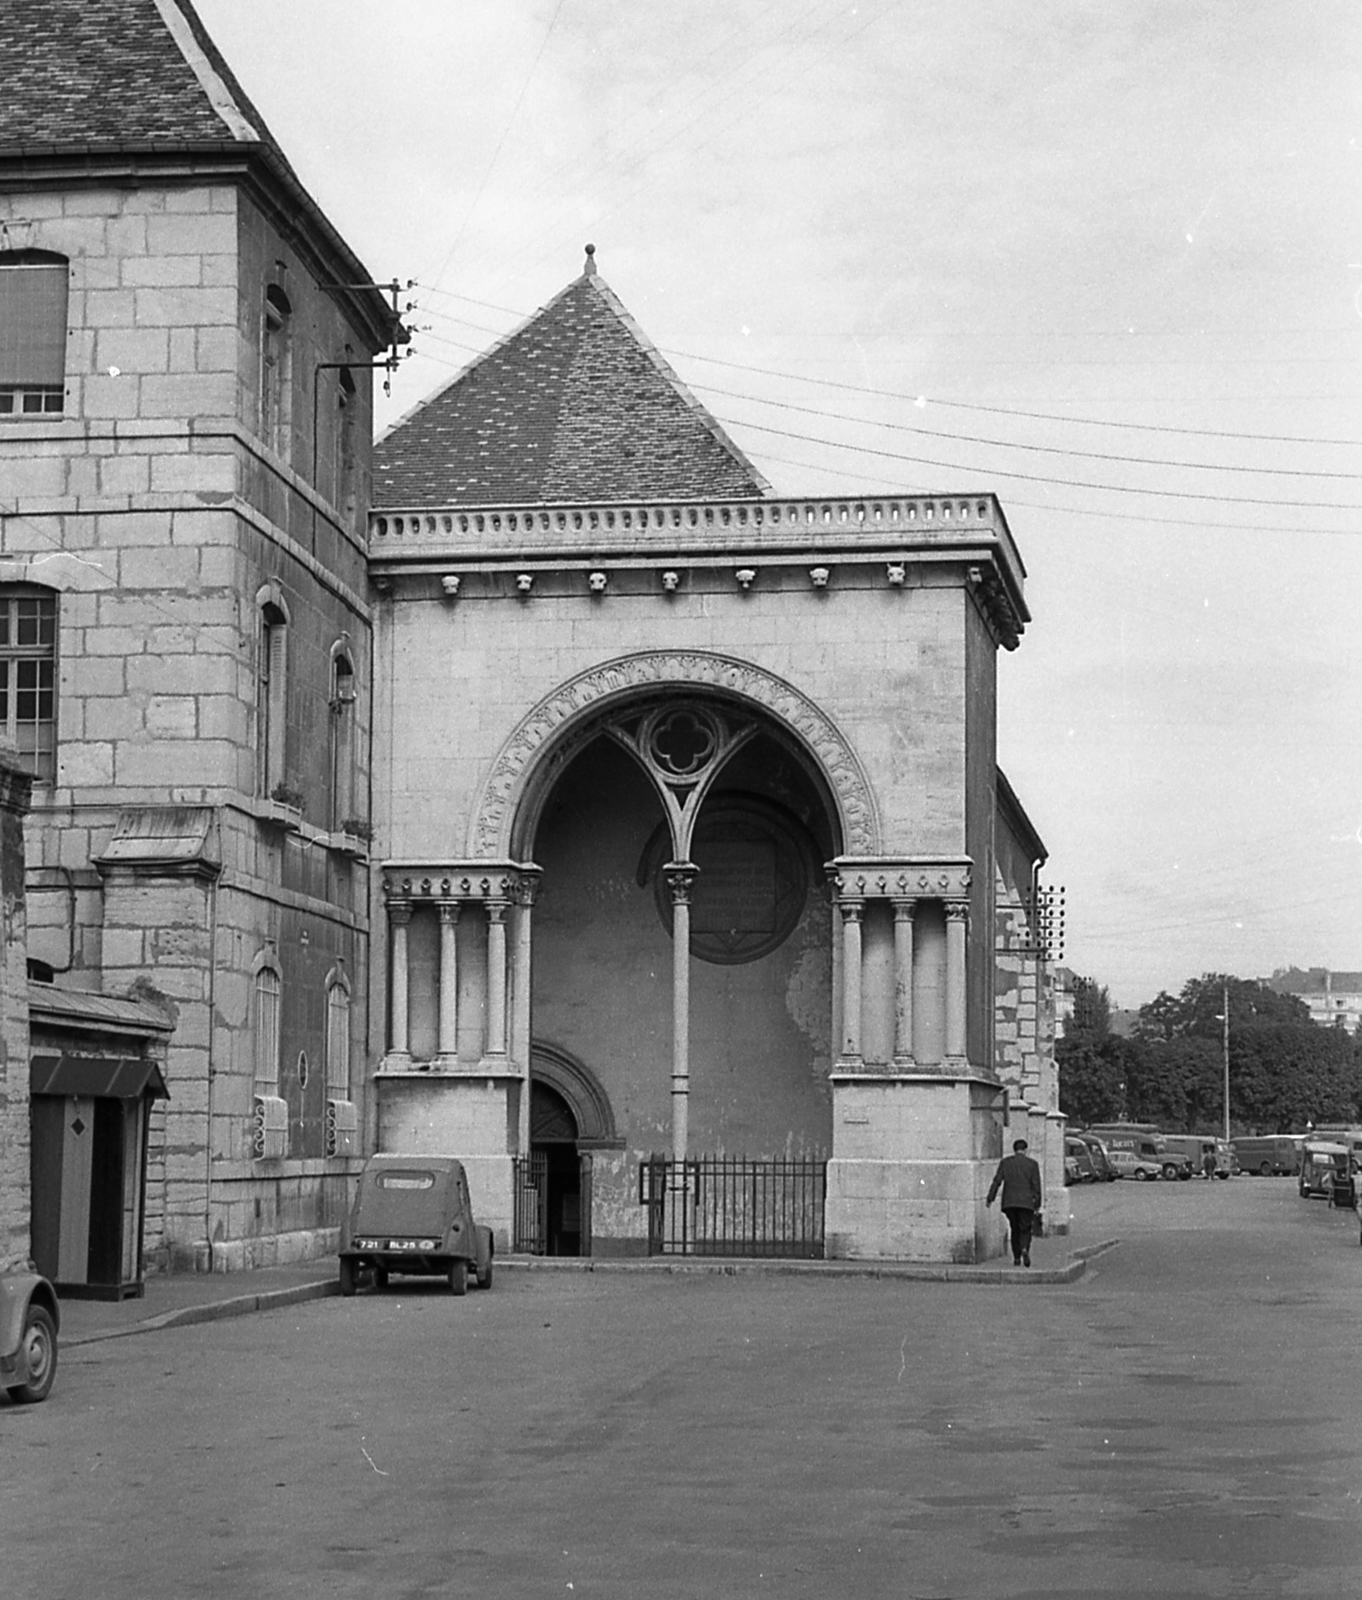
(430, 1163)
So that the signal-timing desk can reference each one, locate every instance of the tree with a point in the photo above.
(1177, 1083)
(1091, 1078)
(1092, 1010)
(1284, 1071)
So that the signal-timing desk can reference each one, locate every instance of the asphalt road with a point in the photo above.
(1184, 1421)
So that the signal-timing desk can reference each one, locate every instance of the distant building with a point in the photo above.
(1334, 998)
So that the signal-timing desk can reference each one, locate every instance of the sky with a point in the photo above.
(1101, 259)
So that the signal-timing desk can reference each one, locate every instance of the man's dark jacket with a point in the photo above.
(1019, 1179)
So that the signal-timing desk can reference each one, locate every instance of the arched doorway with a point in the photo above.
(558, 1170)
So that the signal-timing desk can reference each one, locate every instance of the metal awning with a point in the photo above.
(99, 1077)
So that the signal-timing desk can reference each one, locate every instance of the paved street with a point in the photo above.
(1183, 1421)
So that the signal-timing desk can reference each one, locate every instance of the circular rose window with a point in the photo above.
(752, 885)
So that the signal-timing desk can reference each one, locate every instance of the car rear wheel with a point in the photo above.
(40, 1354)
(1265, 1171)
(1140, 1174)
(458, 1276)
(349, 1276)
(484, 1279)
(1170, 1172)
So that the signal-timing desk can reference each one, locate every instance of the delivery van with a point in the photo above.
(1270, 1154)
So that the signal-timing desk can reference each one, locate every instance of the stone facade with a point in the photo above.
(14, 1097)
(688, 826)
(192, 504)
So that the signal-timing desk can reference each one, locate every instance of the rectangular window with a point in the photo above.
(28, 679)
(33, 294)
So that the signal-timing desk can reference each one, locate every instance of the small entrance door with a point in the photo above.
(553, 1135)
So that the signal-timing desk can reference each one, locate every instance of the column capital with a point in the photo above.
(497, 909)
(901, 877)
(399, 912)
(957, 910)
(525, 891)
(852, 910)
(449, 910)
(904, 908)
(681, 876)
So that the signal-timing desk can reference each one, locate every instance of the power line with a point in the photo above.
(921, 399)
(1032, 477)
(1008, 444)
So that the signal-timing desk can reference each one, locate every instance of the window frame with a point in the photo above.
(338, 1043)
(267, 989)
(35, 385)
(271, 692)
(41, 758)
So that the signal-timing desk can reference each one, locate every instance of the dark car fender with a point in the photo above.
(19, 1291)
(484, 1248)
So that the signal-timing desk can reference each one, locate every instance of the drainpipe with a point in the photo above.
(212, 1033)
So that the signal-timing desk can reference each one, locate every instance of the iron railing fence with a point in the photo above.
(532, 1203)
(734, 1206)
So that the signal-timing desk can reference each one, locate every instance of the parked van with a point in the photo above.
(1323, 1163)
(1270, 1155)
(1142, 1139)
(1347, 1134)
(1102, 1169)
(1078, 1167)
(1197, 1146)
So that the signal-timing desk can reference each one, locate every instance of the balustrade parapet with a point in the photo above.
(805, 522)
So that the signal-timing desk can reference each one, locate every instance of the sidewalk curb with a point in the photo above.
(240, 1305)
(243, 1305)
(907, 1271)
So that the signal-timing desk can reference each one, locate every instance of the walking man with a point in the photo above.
(1019, 1179)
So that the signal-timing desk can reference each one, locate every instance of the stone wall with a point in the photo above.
(162, 512)
(15, 1208)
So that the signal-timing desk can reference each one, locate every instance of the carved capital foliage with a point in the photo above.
(680, 876)
(696, 672)
(900, 880)
(453, 884)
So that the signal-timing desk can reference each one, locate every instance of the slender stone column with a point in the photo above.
(448, 1042)
(496, 977)
(521, 1022)
(681, 876)
(835, 939)
(852, 911)
(957, 923)
(399, 1049)
(903, 983)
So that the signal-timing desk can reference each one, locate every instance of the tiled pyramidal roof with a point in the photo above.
(115, 74)
(575, 405)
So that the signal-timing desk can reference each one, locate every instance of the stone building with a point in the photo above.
(185, 426)
(694, 839)
(1334, 998)
(693, 858)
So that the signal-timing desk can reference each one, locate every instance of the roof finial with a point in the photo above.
(589, 270)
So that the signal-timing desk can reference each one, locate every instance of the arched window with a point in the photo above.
(266, 998)
(33, 288)
(28, 676)
(343, 693)
(271, 700)
(276, 370)
(337, 1034)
